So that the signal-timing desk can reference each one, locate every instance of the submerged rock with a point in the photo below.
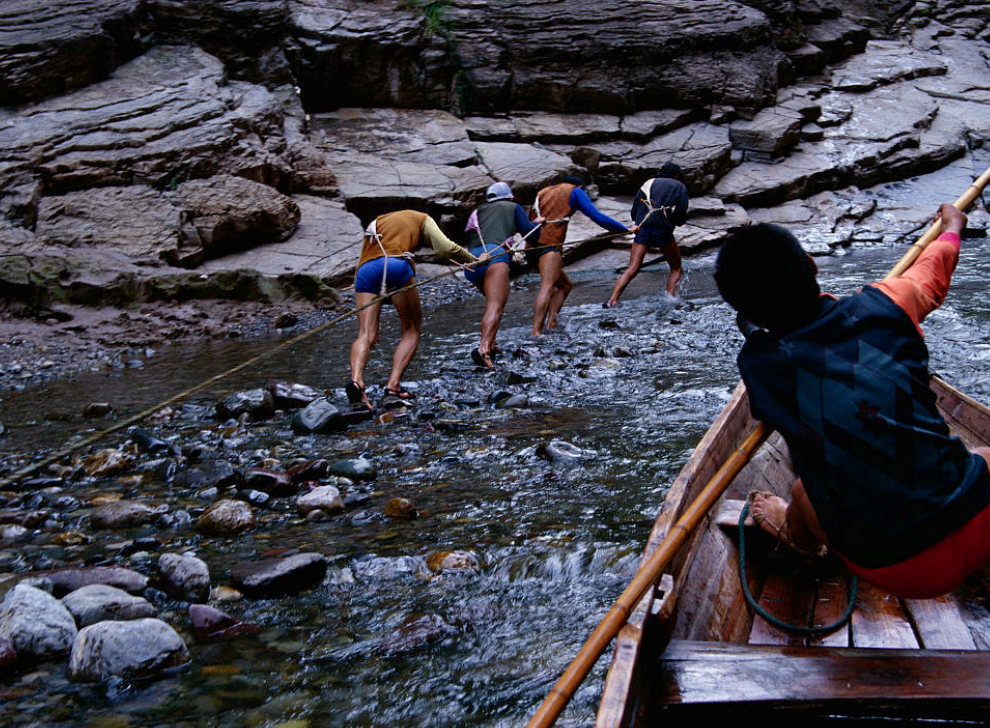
(280, 576)
(453, 561)
(400, 508)
(134, 649)
(212, 625)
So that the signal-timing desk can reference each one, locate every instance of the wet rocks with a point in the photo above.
(107, 462)
(269, 481)
(291, 395)
(64, 581)
(8, 657)
(125, 514)
(440, 561)
(287, 575)
(320, 415)
(99, 602)
(132, 649)
(185, 576)
(256, 404)
(354, 469)
(219, 474)
(323, 498)
(36, 624)
(212, 625)
(401, 509)
(225, 518)
(416, 631)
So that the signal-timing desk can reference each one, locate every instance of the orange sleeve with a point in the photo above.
(922, 287)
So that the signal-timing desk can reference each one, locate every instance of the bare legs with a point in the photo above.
(672, 253)
(636, 255)
(496, 290)
(407, 305)
(554, 287)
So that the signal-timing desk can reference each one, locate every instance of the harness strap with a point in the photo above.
(664, 210)
(372, 232)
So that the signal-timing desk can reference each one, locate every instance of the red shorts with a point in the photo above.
(939, 568)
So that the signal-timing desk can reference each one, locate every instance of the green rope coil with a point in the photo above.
(797, 629)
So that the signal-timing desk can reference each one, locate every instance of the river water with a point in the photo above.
(557, 540)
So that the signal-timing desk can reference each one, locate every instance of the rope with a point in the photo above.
(135, 419)
(797, 629)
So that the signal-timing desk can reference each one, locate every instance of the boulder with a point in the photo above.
(185, 576)
(36, 624)
(99, 602)
(287, 575)
(139, 648)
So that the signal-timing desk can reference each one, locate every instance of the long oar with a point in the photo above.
(650, 572)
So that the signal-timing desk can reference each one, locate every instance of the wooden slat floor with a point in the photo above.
(929, 654)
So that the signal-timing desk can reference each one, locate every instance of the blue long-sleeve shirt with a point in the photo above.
(580, 201)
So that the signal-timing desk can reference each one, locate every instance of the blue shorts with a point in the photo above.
(477, 274)
(654, 237)
(369, 276)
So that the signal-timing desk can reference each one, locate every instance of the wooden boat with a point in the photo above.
(693, 646)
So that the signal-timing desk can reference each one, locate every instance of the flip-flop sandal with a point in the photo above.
(783, 532)
(355, 393)
(485, 362)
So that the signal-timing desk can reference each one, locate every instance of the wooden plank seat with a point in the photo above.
(823, 680)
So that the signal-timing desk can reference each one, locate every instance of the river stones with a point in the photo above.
(99, 602)
(125, 514)
(320, 415)
(225, 518)
(256, 404)
(218, 474)
(291, 395)
(354, 469)
(134, 649)
(287, 575)
(271, 482)
(401, 509)
(440, 561)
(416, 631)
(185, 576)
(107, 462)
(35, 623)
(64, 581)
(325, 498)
(212, 625)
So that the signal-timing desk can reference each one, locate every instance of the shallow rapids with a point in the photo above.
(385, 641)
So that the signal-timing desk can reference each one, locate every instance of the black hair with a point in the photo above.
(670, 170)
(763, 273)
(573, 179)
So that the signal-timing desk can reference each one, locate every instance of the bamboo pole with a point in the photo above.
(650, 572)
(964, 201)
(647, 575)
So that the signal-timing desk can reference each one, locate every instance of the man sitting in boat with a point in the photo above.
(845, 381)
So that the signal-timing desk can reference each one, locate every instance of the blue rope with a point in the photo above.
(810, 631)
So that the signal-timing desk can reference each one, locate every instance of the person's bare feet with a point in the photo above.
(770, 513)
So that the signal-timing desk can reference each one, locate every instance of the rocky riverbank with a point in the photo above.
(162, 177)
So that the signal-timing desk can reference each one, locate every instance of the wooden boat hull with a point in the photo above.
(693, 646)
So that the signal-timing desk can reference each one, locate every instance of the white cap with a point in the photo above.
(498, 191)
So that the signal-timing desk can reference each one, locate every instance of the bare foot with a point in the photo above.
(770, 513)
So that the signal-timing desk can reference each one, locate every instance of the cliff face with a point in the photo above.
(138, 135)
